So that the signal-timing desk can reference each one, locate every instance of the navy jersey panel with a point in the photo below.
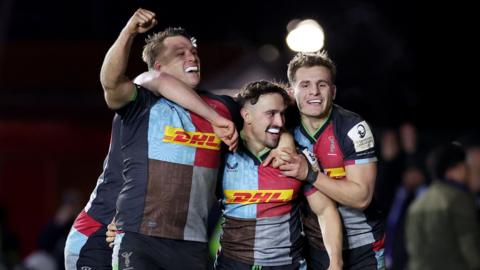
(101, 205)
(135, 116)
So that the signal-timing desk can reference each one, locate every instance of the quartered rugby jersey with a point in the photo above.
(262, 217)
(343, 140)
(100, 209)
(171, 160)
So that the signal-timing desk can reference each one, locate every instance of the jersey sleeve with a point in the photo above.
(234, 110)
(141, 100)
(358, 143)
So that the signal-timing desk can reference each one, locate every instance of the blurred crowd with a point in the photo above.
(404, 175)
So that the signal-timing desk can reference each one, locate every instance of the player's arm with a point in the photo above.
(281, 154)
(355, 191)
(168, 86)
(324, 207)
(118, 88)
(330, 225)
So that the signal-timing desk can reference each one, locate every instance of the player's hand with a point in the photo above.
(111, 232)
(226, 131)
(278, 157)
(141, 21)
(296, 167)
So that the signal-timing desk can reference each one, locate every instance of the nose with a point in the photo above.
(278, 120)
(314, 90)
(190, 57)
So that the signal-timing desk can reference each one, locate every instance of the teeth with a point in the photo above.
(191, 69)
(316, 101)
(273, 130)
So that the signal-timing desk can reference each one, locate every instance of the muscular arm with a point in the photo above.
(173, 89)
(355, 191)
(330, 225)
(165, 85)
(118, 88)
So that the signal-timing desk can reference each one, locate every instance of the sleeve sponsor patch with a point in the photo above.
(361, 136)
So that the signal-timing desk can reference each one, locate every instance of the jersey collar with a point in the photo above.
(314, 137)
(257, 159)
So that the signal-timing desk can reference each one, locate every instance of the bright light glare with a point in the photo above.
(307, 36)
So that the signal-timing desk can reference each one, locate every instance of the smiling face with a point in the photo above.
(179, 58)
(263, 121)
(314, 91)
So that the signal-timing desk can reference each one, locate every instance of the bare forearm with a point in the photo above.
(188, 98)
(286, 141)
(177, 91)
(330, 224)
(331, 228)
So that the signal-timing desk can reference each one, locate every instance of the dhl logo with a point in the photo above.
(191, 138)
(336, 172)
(258, 196)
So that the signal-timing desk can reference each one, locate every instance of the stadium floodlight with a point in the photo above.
(305, 36)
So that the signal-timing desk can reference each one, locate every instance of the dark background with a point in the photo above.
(396, 62)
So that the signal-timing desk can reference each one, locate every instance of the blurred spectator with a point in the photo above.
(414, 153)
(390, 168)
(442, 230)
(471, 143)
(53, 235)
(413, 184)
(473, 162)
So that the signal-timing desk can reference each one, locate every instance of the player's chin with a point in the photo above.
(273, 142)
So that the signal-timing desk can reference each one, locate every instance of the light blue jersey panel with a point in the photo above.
(166, 113)
(240, 173)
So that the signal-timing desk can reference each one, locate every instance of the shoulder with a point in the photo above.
(345, 119)
(352, 127)
(224, 99)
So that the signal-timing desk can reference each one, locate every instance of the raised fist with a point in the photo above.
(141, 21)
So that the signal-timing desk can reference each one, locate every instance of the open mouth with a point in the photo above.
(314, 101)
(273, 130)
(192, 69)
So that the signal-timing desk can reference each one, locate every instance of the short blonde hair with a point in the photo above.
(310, 60)
(154, 43)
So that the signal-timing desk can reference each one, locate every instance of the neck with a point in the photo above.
(312, 124)
(253, 146)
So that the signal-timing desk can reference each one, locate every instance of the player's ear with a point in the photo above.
(157, 66)
(246, 115)
(334, 91)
